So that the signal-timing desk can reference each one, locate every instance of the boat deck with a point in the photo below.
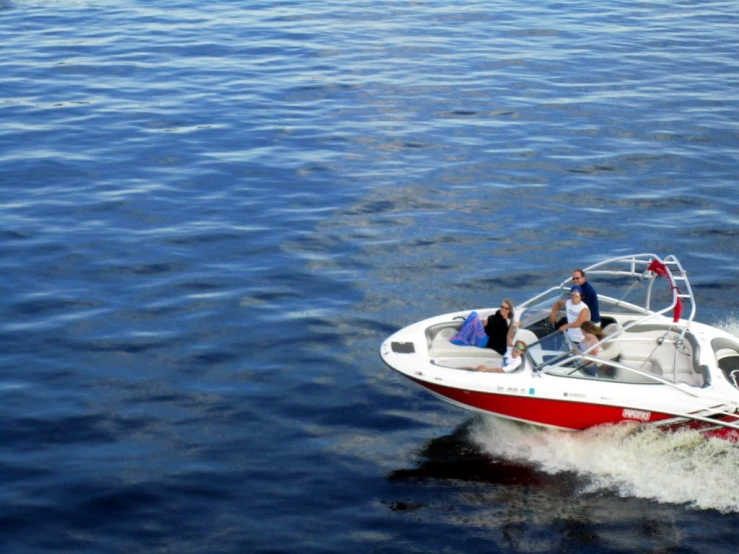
(652, 350)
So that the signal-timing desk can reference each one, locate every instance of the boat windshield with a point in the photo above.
(550, 349)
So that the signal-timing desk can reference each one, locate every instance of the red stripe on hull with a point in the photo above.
(568, 414)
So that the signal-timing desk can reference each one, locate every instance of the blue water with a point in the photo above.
(212, 214)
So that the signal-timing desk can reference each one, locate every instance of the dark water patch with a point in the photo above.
(163, 398)
(121, 503)
(150, 269)
(373, 208)
(98, 207)
(51, 371)
(189, 402)
(726, 233)
(511, 282)
(577, 532)
(204, 486)
(415, 145)
(270, 296)
(317, 276)
(672, 202)
(17, 473)
(402, 506)
(441, 240)
(323, 335)
(317, 403)
(455, 457)
(115, 345)
(204, 239)
(503, 113)
(10, 234)
(212, 358)
(51, 305)
(463, 113)
(38, 433)
(223, 411)
(732, 286)
(479, 470)
(374, 327)
(593, 169)
(175, 308)
(19, 529)
(199, 286)
(273, 340)
(310, 169)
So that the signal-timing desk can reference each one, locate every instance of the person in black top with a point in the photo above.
(589, 296)
(497, 327)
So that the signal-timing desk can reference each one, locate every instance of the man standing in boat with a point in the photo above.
(589, 296)
(577, 313)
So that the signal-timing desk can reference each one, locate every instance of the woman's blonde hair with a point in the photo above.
(592, 328)
(509, 303)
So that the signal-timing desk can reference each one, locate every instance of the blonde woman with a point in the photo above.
(498, 325)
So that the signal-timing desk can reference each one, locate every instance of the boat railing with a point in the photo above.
(647, 265)
(639, 267)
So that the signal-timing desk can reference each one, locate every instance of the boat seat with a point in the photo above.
(610, 349)
(725, 352)
(456, 361)
(646, 366)
(525, 336)
(641, 348)
(441, 347)
(727, 356)
(446, 333)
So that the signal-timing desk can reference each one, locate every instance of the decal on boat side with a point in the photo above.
(532, 392)
(636, 414)
(513, 390)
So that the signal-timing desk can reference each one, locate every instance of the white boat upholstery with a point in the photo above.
(525, 336)
(610, 349)
(440, 346)
(644, 349)
(725, 353)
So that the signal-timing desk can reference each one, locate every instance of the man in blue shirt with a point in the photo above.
(589, 296)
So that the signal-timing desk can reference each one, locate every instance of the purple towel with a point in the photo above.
(472, 332)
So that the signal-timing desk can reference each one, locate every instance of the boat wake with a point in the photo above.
(730, 324)
(630, 460)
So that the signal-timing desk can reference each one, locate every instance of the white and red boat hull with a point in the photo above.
(670, 371)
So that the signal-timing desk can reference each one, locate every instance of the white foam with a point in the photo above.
(730, 324)
(633, 460)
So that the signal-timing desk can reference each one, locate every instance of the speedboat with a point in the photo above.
(655, 365)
